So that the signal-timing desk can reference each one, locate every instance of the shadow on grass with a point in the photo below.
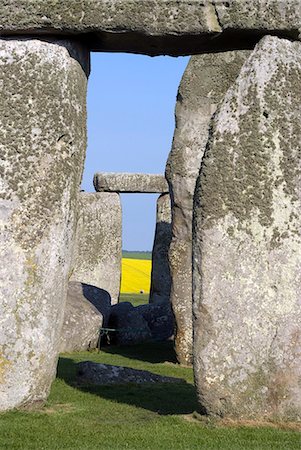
(158, 352)
(161, 398)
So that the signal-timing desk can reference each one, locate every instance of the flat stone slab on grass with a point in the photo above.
(102, 374)
(141, 183)
(153, 27)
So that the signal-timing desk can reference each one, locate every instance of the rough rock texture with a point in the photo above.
(43, 141)
(100, 374)
(87, 309)
(130, 183)
(247, 243)
(159, 318)
(160, 278)
(97, 256)
(206, 79)
(131, 327)
(154, 27)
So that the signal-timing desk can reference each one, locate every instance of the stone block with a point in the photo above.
(159, 318)
(205, 81)
(97, 255)
(160, 277)
(131, 328)
(87, 310)
(247, 244)
(141, 183)
(42, 144)
(153, 27)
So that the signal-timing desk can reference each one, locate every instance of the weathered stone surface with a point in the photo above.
(130, 183)
(101, 374)
(160, 277)
(131, 327)
(159, 318)
(97, 256)
(155, 27)
(206, 79)
(42, 145)
(87, 309)
(247, 243)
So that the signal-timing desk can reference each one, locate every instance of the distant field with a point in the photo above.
(135, 299)
(136, 255)
(135, 276)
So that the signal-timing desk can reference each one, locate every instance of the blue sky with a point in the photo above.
(131, 101)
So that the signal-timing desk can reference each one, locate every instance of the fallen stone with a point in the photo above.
(159, 318)
(247, 244)
(205, 81)
(43, 142)
(87, 310)
(98, 252)
(160, 277)
(101, 374)
(131, 327)
(153, 27)
(130, 183)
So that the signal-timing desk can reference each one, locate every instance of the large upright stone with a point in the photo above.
(160, 277)
(97, 256)
(42, 145)
(247, 240)
(154, 27)
(203, 85)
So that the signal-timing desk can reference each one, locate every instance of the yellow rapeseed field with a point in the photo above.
(136, 274)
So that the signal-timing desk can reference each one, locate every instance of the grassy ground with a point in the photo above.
(158, 417)
(135, 299)
(136, 255)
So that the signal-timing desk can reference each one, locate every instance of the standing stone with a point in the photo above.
(97, 256)
(160, 278)
(203, 85)
(42, 144)
(247, 244)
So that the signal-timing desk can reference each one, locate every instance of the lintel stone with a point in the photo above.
(130, 183)
(174, 27)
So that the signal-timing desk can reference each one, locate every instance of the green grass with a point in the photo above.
(135, 299)
(131, 417)
(136, 254)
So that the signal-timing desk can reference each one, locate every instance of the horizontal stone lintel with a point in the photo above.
(154, 27)
(130, 183)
